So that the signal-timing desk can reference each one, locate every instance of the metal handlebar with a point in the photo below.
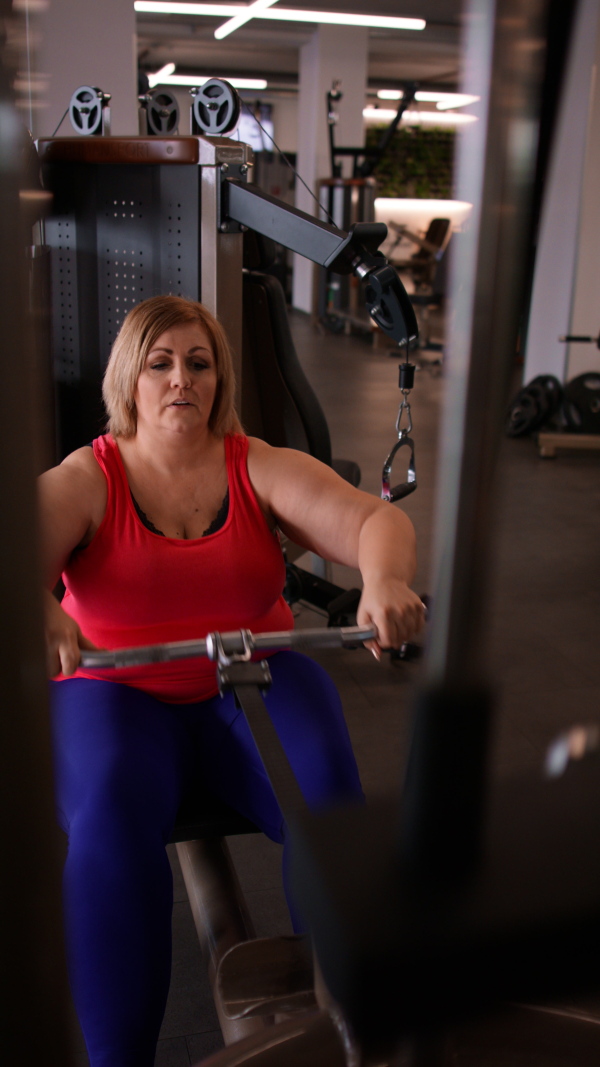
(237, 643)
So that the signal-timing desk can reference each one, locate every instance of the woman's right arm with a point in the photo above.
(72, 502)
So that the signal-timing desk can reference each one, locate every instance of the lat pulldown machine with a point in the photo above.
(134, 217)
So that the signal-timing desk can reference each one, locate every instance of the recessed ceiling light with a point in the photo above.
(283, 14)
(244, 16)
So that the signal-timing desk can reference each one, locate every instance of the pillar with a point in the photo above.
(334, 53)
(565, 297)
(88, 42)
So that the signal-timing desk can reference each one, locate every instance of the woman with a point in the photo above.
(164, 529)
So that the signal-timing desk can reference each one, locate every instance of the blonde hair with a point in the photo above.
(140, 330)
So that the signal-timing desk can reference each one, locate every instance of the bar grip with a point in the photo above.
(232, 643)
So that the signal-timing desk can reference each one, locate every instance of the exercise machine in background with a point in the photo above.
(339, 300)
(424, 272)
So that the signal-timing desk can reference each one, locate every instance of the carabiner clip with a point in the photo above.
(404, 488)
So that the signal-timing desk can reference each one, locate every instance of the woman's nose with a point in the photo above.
(180, 374)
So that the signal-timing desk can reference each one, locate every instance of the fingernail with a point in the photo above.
(377, 654)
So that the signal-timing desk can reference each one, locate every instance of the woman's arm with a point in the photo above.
(72, 501)
(318, 510)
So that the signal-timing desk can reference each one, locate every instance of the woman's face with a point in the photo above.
(177, 386)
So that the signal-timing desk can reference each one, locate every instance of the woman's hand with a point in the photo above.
(396, 611)
(64, 639)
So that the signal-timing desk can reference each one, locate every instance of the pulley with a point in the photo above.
(89, 112)
(162, 112)
(216, 108)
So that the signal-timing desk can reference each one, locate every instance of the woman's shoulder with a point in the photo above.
(79, 475)
(265, 455)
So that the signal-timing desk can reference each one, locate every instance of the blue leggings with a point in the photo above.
(123, 761)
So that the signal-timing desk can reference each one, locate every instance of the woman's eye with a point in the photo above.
(200, 364)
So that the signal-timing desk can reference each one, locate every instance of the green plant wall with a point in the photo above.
(418, 163)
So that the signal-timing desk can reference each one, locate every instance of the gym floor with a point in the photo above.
(543, 630)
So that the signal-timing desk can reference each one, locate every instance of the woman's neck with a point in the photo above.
(169, 453)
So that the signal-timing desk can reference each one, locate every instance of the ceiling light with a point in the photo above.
(417, 118)
(443, 101)
(200, 79)
(243, 17)
(158, 78)
(460, 100)
(283, 14)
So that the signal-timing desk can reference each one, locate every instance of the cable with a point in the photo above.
(290, 165)
(60, 123)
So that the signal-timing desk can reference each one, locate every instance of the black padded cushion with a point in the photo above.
(290, 414)
(260, 253)
(279, 403)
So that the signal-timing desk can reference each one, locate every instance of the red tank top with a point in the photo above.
(131, 587)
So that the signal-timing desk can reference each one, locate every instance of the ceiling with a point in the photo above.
(266, 48)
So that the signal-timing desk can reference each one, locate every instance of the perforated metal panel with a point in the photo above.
(61, 234)
(120, 234)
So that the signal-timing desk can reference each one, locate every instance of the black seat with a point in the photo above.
(201, 815)
(279, 404)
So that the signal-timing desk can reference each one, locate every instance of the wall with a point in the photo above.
(566, 287)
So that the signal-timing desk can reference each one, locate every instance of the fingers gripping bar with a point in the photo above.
(237, 643)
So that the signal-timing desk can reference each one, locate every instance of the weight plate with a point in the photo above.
(524, 415)
(162, 110)
(553, 392)
(216, 107)
(582, 403)
(85, 110)
(534, 405)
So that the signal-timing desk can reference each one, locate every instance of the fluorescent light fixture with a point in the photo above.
(242, 18)
(159, 77)
(417, 118)
(282, 14)
(443, 101)
(199, 79)
(460, 100)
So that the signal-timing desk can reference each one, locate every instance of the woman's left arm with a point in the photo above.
(318, 510)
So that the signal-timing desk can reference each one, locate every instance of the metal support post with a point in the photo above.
(221, 250)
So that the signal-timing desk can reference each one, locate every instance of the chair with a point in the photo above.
(424, 270)
(422, 266)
